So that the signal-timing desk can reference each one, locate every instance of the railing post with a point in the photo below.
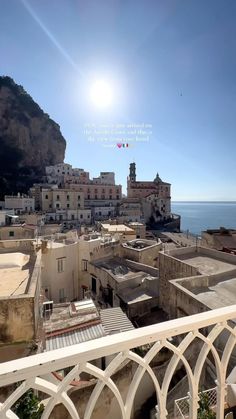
(193, 404)
(159, 414)
(221, 393)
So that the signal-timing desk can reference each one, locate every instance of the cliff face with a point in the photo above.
(29, 139)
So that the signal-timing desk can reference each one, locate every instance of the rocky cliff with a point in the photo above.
(29, 139)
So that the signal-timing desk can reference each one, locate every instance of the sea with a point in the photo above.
(198, 216)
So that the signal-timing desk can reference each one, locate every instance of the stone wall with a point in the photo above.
(20, 314)
(183, 302)
(17, 319)
(171, 268)
(24, 245)
(147, 256)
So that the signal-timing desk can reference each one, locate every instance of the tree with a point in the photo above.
(204, 410)
(28, 406)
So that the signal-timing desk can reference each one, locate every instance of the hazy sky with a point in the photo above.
(172, 64)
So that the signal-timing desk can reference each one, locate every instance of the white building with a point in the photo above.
(55, 173)
(60, 271)
(105, 178)
(20, 203)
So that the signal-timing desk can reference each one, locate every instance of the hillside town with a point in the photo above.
(80, 261)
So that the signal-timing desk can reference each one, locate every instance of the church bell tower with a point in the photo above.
(132, 172)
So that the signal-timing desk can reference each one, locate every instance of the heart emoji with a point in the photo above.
(119, 145)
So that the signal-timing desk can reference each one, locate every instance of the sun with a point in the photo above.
(101, 94)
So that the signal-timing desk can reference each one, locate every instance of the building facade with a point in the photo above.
(20, 203)
(154, 196)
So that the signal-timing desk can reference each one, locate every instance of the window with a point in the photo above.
(58, 197)
(46, 196)
(68, 197)
(110, 197)
(50, 205)
(94, 285)
(68, 205)
(11, 233)
(78, 196)
(85, 264)
(72, 216)
(96, 197)
(117, 197)
(61, 264)
(88, 216)
(57, 206)
(88, 196)
(81, 215)
(61, 295)
(78, 205)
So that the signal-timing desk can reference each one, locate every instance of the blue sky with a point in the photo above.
(172, 63)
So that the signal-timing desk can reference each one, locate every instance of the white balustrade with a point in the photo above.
(32, 370)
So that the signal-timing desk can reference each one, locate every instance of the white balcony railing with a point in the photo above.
(206, 328)
(182, 405)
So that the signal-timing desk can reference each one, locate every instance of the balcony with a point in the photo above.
(82, 389)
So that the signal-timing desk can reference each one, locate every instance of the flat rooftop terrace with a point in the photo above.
(15, 271)
(120, 271)
(206, 265)
(220, 294)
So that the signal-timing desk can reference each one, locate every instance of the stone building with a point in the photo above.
(60, 270)
(153, 196)
(117, 282)
(19, 203)
(20, 301)
(142, 251)
(65, 205)
(197, 266)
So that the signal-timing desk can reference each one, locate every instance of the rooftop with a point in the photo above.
(207, 261)
(68, 316)
(207, 265)
(219, 295)
(117, 228)
(136, 295)
(140, 244)
(15, 270)
(80, 322)
(214, 291)
(118, 270)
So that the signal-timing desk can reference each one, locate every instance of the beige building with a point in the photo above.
(20, 284)
(60, 270)
(201, 267)
(20, 203)
(131, 210)
(92, 247)
(221, 239)
(139, 228)
(61, 199)
(65, 205)
(121, 231)
(154, 196)
(116, 282)
(142, 251)
(18, 231)
(142, 189)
